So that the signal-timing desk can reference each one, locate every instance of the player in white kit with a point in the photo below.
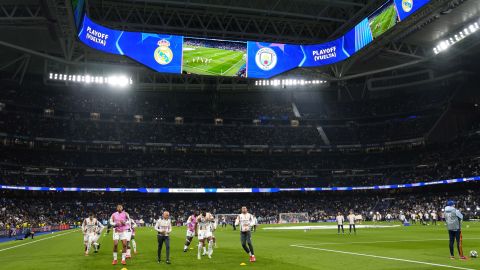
(89, 228)
(245, 220)
(212, 226)
(130, 233)
(340, 219)
(98, 233)
(204, 233)
(351, 222)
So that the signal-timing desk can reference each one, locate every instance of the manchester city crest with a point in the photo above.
(266, 58)
(163, 54)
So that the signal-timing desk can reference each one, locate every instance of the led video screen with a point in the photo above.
(383, 19)
(251, 59)
(214, 57)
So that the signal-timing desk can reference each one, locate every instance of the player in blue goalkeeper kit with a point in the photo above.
(454, 218)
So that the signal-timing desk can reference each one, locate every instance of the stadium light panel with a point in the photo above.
(450, 41)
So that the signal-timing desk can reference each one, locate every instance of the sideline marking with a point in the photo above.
(382, 257)
(35, 241)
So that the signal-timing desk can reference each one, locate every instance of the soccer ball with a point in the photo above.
(473, 254)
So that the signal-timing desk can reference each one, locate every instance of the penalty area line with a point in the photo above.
(379, 242)
(382, 257)
(35, 241)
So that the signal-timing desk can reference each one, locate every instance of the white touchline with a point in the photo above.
(382, 257)
(379, 242)
(35, 241)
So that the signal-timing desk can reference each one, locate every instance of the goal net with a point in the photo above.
(293, 218)
(227, 218)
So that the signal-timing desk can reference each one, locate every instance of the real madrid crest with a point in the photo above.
(163, 54)
(407, 5)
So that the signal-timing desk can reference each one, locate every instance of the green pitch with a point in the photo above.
(416, 247)
(212, 61)
(383, 21)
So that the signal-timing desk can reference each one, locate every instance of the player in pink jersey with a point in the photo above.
(191, 230)
(119, 221)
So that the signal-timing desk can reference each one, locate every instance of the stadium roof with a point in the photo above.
(40, 33)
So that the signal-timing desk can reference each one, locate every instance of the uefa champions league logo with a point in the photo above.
(266, 59)
(163, 54)
(407, 5)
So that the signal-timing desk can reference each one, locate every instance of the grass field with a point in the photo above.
(383, 21)
(415, 247)
(212, 61)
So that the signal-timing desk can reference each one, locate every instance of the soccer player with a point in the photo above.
(89, 227)
(254, 228)
(119, 221)
(413, 217)
(340, 219)
(453, 219)
(164, 228)
(245, 220)
(434, 217)
(351, 222)
(98, 233)
(204, 233)
(130, 231)
(213, 228)
(191, 227)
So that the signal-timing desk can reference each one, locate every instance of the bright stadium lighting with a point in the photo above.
(471, 28)
(455, 38)
(113, 80)
(284, 82)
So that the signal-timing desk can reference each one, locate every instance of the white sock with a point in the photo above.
(250, 253)
(114, 256)
(129, 252)
(123, 256)
(210, 247)
(199, 248)
(204, 250)
(185, 247)
(134, 245)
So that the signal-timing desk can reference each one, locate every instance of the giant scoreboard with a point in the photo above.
(253, 59)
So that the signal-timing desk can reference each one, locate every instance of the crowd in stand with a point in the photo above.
(54, 208)
(277, 105)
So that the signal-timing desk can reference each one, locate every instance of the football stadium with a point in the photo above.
(216, 58)
(214, 134)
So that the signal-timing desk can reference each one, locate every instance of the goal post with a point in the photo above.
(229, 218)
(293, 218)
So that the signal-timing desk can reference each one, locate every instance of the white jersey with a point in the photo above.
(245, 221)
(90, 226)
(340, 219)
(204, 223)
(351, 219)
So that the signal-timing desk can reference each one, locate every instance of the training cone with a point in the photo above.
(243, 264)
